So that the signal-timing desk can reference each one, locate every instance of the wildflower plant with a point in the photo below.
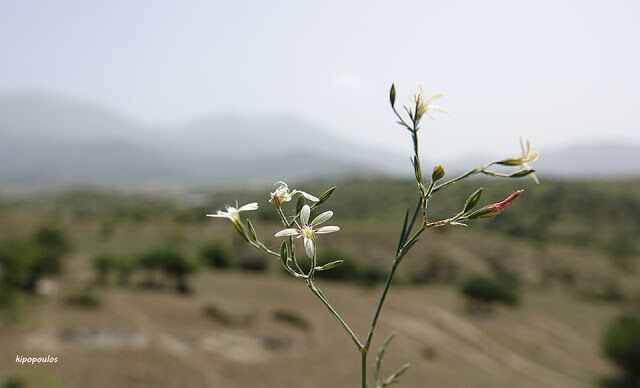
(299, 225)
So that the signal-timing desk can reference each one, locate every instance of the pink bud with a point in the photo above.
(500, 206)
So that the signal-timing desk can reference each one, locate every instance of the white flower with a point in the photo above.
(308, 230)
(427, 106)
(282, 194)
(528, 156)
(233, 213)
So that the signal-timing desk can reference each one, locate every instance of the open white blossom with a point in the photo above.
(528, 156)
(282, 194)
(233, 213)
(308, 230)
(427, 106)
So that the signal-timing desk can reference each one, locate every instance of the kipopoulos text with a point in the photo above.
(48, 359)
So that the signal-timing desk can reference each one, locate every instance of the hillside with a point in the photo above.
(564, 245)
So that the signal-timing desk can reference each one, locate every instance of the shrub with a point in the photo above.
(22, 264)
(621, 344)
(291, 318)
(83, 298)
(179, 267)
(225, 318)
(104, 264)
(215, 255)
(218, 314)
(151, 262)
(482, 292)
(52, 239)
(124, 268)
(14, 382)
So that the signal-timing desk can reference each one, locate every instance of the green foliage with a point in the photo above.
(621, 344)
(84, 297)
(226, 318)
(104, 265)
(124, 268)
(484, 291)
(14, 382)
(171, 262)
(24, 263)
(51, 239)
(216, 255)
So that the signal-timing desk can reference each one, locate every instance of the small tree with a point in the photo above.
(621, 344)
(103, 265)
(215, 255)
(483, 291)
(179, 267)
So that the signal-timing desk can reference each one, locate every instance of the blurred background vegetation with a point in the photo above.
(547, 293)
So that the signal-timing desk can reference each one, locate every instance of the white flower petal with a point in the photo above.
(309, 247)
(304, 214)
(327, 229)
(309, 196)
(249, 206)
(436, 96)
(439, 109)
(523, 147)
(288, 232)
(324, 217)
(220, 215)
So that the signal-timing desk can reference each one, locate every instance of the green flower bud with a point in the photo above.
(438, 173)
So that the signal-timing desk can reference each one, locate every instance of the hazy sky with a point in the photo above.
(556, 71)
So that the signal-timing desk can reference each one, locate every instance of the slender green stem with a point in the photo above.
(383, 297)
(475, 171)
(316, 291)
(363, 362)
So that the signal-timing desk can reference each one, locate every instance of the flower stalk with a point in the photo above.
(300, 226)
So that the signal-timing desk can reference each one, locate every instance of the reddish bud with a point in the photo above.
(507, 201)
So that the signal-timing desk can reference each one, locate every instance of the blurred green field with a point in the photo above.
(570, 248)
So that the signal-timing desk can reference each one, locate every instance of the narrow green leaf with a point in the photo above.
(403, 232)
(330, 265)
(473, 200)
(326, 195)
(283, 252)
(521, 173)
(396, 375)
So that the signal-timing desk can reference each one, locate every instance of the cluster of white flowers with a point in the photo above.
(309, 231)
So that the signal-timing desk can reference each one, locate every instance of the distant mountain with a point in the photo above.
(51, 143)
(602, 160)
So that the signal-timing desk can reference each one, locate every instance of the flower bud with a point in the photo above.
(496, 208)
(392, 95)
(438, 173)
